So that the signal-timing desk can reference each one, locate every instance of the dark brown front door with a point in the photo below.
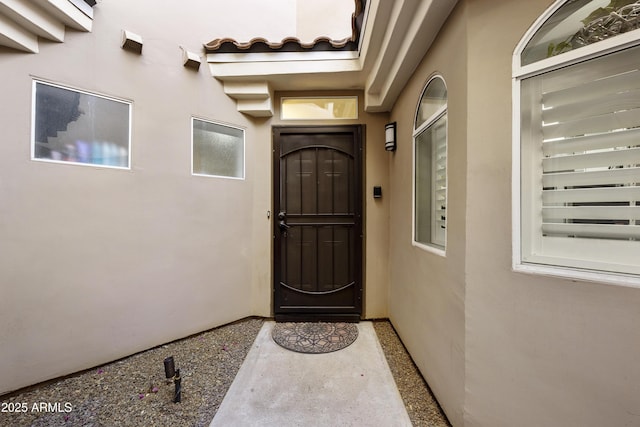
(318, 223)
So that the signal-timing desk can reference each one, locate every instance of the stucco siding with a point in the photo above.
(426, 302)
(499, 348)
(99, 263)
(540, 351)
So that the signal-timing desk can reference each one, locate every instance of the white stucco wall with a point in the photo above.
(278, 19)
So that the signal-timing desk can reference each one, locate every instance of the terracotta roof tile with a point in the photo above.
(260, 44)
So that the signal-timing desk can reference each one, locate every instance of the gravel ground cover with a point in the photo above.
(422, 407)
(134, 391)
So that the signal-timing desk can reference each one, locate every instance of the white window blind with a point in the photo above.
(439, 215)
(581, 164)
(431, 183)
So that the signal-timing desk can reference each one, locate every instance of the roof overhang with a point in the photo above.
(393, 39)
(22, 23)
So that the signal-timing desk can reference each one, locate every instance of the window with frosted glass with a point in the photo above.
(430, 163)
(71, 126)
(579, 148)
(218, 150)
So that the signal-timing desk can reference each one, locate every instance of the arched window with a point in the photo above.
(577, 142)
(430, 168)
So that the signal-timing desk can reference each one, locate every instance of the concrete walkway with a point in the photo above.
(278, 387)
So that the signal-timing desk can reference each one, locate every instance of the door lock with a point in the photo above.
(282, 215)
(283, 225)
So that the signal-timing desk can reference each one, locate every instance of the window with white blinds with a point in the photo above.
(430, 165)
(580, 164)
(439, 217)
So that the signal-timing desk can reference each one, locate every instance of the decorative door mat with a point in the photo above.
(314, 337)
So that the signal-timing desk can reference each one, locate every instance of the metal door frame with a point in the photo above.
(358, 135)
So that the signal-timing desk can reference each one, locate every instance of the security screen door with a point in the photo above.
(317, 223)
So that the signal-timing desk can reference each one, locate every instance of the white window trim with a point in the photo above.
(611, 45)
(244, 150)
(129, 103)
(428, 122)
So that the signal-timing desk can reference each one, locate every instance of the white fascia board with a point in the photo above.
(17, 37)
(248, 90)
(280, 56)
(255, 107)
(394, 18)
(33, 18)
(68, 13)
(84, 7)
(263, 70)
(401, 52)
(376, 103)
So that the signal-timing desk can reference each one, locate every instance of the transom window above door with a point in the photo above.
(319, 108)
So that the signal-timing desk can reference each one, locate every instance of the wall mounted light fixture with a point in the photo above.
(390, 136)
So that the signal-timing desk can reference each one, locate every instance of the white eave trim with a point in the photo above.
(22, 22)
(252, 71)
(385, 61)
(261, 75)
(67, 12)
(262, 57)
(84, 7)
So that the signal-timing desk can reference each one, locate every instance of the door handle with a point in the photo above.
(283, 225)
(282, 215)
